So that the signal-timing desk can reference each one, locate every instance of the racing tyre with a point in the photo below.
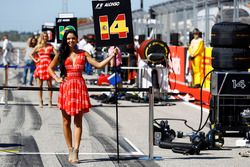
(231, 35)
(231, 59)
(153, 46)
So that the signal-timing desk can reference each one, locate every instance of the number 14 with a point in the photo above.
(117, 27)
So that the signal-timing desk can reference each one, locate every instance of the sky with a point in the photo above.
(29, 15)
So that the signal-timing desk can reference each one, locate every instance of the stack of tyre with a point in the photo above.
(230, 42)
(230, 53)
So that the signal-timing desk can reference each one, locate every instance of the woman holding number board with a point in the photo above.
(73, 98)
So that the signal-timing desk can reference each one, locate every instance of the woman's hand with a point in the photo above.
(36, 60)
(101, 64)
(59, 79)
(115, 51)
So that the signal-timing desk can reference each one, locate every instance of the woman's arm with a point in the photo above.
(54, 52)
(101, 64)
(51, 68)
(32, 53)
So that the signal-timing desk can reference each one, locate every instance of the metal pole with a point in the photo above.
(176, 22)
(18, 56)
(236, 11)
(139, 78)
(141, 4)
(134, 26)
(116, 109)
(147, 27)
(106, 67)
(195, 14)
(162, 25)
(207, 23)
(168, 26)
(6, 84)
(185, 26)
(151, 123)
(138, 25)
(220, 11)
(64, 6)
(234, 16)
(26, 88)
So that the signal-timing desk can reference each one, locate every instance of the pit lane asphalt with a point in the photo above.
(31, 136)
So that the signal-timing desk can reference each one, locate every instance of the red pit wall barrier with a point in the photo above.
(177, 79)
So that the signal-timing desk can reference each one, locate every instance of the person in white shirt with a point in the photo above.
(82, 43)
(85, 45)
(136, 42)
(7, 50)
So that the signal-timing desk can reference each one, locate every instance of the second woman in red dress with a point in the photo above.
(44, 50)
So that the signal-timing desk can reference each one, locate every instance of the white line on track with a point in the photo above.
(138, 152)
(197, 107)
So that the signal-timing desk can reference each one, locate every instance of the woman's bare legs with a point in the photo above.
(77, 136)
(40, 84)
(67, 132)
(77, 130)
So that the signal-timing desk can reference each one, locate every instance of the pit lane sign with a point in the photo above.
(51, 31)
(63, 24)
(112, 22)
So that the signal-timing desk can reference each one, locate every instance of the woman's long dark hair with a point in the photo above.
(64, 52)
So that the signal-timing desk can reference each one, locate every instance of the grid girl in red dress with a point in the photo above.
(43, 51)
(73, 98)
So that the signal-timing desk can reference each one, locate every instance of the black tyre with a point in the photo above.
(231, 59)
(230, 34)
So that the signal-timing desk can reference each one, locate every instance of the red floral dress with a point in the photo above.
(44, 54)
(73, 95)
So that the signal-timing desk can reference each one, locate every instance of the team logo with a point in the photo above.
(99, 6)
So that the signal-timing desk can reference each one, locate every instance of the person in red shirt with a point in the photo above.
(73, 98)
